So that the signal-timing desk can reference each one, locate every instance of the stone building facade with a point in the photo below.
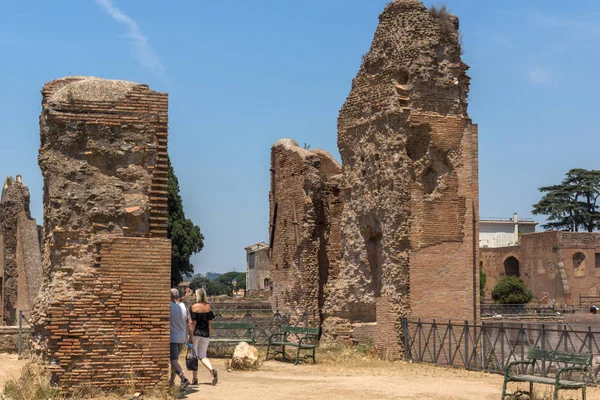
(409, 152)
(107, 261)
(554, 265)
(258, 276)
(20, 252)
(305, 246)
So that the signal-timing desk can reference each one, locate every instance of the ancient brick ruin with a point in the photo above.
(103, 319)
(20, 252)
(305, 246)
(403, 236)
(409, 152)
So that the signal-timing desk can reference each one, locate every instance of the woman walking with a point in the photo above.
(201, 316)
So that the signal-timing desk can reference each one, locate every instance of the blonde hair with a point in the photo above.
(201, 296)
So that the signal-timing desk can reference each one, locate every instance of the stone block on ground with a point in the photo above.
(245, 357)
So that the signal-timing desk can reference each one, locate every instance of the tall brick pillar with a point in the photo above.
(104, 316)
(409, 156)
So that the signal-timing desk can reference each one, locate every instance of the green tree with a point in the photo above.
(228, 277)
(186, 237)
(212, 288)
(571, 205)
(511, 290)
(482, 282)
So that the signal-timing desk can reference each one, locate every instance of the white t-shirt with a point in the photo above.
(178, 322)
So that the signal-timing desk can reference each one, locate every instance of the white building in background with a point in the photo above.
(499, 232)
(257, 268)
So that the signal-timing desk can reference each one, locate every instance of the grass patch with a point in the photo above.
(31, 386)
(445, 20)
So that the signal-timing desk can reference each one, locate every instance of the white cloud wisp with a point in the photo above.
(141, 49)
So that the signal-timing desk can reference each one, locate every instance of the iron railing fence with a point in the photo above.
(492, 345)
(491, 309)
(23, 341)
(266, 322)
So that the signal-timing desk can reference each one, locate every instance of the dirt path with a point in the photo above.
(278, 380)
(10, 367)
(347, 379)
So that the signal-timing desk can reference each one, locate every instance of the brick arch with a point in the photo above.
(512, 266)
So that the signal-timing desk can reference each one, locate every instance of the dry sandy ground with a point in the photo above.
(10, 367)
(350, 378)
(377, 380)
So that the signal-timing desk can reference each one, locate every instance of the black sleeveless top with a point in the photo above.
(202, 319)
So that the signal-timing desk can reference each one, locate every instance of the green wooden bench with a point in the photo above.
(248, 327)
(579, 361)
(302, 338)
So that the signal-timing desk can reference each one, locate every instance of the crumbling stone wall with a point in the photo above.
(104, 317)
(409, 152)
(20, 253)
(305, 238)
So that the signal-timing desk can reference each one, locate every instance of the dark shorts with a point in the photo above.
(175, 350)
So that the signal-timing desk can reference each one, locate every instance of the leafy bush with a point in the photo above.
(511, 290)
(213, 288)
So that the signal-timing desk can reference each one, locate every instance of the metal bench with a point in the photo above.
(302, 338)
(580, 362)
(247, 327)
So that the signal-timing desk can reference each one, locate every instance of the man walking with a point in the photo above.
(180, 321)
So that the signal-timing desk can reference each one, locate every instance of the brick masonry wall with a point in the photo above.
(20, 263)
(409, 153)
(115, 330)
(300, 240)
(103, 318)
(548, 266)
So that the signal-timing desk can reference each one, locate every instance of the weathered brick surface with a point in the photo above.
(550, 264)
(409, 152)
(103, 317)
(305, 239)
(20, 253)
(114, 331)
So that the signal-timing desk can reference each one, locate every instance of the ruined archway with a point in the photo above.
(511, 266)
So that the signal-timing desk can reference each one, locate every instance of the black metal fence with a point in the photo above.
(492, 345)
(266, 322)
(23, 341)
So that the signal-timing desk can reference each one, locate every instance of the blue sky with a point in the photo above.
(241, 75)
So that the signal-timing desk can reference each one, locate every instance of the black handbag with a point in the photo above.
(191, 361)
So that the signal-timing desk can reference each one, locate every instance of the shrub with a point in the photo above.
(445, 20)
(511, 290)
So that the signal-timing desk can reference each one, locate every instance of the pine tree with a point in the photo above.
(571, 205)
(186, 237)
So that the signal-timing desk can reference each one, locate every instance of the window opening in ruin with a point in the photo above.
(375, 258)
(511, 266)
(266, 283)
(402, 77)
(597, 262)
(579, 260)
(251, 257)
